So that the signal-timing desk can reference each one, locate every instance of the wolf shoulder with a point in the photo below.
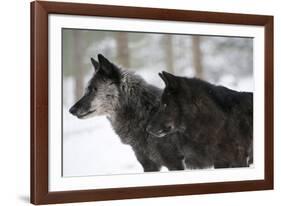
(227, 98)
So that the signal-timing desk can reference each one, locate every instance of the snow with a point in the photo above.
(90, 147)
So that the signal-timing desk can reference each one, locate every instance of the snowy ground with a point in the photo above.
(90, 146)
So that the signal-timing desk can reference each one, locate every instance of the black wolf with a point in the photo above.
(215, 123)
(128, 102)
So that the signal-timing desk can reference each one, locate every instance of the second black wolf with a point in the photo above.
(215, 123)
(128, 102)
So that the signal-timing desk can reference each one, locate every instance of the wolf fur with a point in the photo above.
(215, 123)
(129, 102)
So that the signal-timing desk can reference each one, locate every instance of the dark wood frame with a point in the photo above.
(39, 101)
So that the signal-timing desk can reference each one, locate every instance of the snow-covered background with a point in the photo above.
(90, 147)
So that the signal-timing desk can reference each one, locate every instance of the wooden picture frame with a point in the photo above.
(40, 193)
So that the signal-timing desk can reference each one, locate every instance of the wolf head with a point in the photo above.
(168, 117)
(102, 94)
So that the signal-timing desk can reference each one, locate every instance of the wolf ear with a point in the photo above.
(95, 64)
(105, 65)
(163, 78)
(169, 79)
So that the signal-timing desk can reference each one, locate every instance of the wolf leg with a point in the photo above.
(177, 165)
(221, 164)
(174, 162)
(147, 164)
(241, 162)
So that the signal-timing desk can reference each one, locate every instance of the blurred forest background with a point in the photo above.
(220, 60)
(227, 61)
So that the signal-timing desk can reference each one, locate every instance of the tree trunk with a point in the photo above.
(79, 70)
(197, 56)
(168, 49)
(123, 57)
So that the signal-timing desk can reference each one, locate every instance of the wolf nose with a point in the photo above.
(73, 110)
(168, 128)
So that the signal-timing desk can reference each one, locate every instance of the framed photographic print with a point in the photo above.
(131, 102)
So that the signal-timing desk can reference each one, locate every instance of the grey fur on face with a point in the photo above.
(100, 97)
(105, 93)
(106, 98)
